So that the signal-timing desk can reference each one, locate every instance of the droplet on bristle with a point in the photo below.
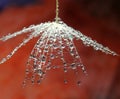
(79, 83)
(38, 81)
(48, 67)
(55, 46)
(43, 58)
(77, 56)
(32, 82)
(72, 53)
(46, 49)
(73, 66)
(65, 70)
(23, 83)
(52, 56)
(71, 46)
(65, 81)
(27, 71)
(62, 46)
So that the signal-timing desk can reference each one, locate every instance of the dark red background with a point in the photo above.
(93, 20)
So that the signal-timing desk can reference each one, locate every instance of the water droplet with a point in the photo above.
(46, 49)
(31, 25)
(55, 46)
(65, 81)
(83, 68)
(77, 56)
(56, 56)
(43, 58)
(96, 48)
(65, 70)
(60, 22)
(72, 53)
(62, 46)
(38, 81)
(24, 84)
(27, 71)
(40, 72)
(54, 67)
(73, 66)
(23, 29)
(48, 67)
(79, 83)
(71, 46)
(35, 66)
(52, 56)
(62, 58)
(32, 81)
(49, 62)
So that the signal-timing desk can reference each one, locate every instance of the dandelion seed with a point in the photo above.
(54, 38)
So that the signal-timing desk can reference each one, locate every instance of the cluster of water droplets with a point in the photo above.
(54, 44)
(56, 41)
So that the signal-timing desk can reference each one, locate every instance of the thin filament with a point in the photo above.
(57, 11)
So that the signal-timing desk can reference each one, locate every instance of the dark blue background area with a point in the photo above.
(5, 3)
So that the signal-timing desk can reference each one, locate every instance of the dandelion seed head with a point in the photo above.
(56, 41)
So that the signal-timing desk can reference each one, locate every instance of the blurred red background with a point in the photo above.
(95, 19)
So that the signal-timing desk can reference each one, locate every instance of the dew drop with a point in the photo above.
(79, 83)
(40, 72)
(62, 46)
(27, 71)
(52, 56)
(65, 70)
(54, 67)
(55, 46)
(32, 81)
(38, 81)
(31, 26)
(43, 59)
(64, 63)
(83, 68)
(23, 83)
(72, 53)
(46, 49)
(49, 62)
(71, 46)
(73, 66)
(65, 81)
(77, 56)
(48, 67)
(23, 29)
